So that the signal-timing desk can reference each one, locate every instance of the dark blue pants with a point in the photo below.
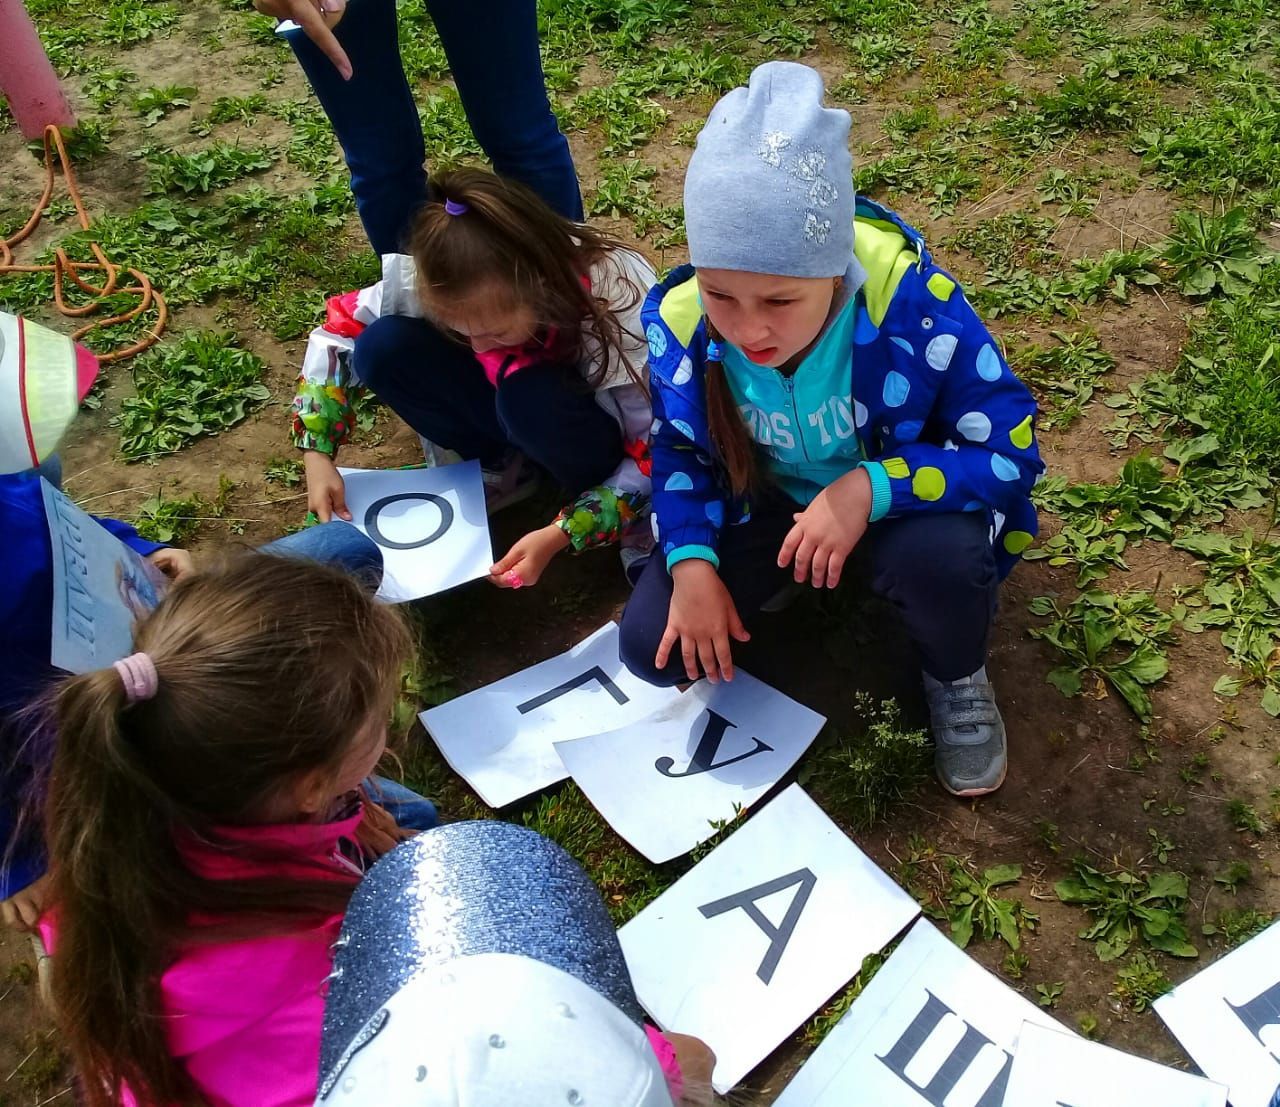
(436, 386)
(492, 49)
(937, 570)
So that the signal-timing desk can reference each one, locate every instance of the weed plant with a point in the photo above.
(864, 777)
(200, 384)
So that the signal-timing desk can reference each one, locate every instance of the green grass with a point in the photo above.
(864, 776)
(173, 522)
(214, 167)
(200, 384)
(1024, 130)
(1230, 373)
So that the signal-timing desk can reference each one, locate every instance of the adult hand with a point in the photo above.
(702, 618)
(173, 563)
(316, 18)
(23, 909)
(378, 832)
(326, 492)
(828, 529)
(525, 562)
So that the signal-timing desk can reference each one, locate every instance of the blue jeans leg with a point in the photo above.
(410, 810)
(334, 543)
(374, 118)
(493, 52)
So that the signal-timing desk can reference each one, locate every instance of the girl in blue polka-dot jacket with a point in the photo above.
(817, 380)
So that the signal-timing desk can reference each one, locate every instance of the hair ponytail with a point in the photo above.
(268, 669)
(110, 840)
(728, 431)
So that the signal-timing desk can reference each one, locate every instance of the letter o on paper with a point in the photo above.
(379, 506)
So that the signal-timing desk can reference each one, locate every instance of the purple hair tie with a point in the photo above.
(455, 207)
(139, 677)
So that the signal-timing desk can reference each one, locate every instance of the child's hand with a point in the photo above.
(326, 493)
(174, 564)
(23, 909)
(378, 832)
(526, 561)
(828, 529)
(702, 619)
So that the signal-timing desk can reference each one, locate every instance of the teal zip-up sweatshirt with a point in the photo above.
(804, 421)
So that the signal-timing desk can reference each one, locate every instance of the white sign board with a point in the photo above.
(431, 525)
(501, 738)
(1228, 1018)
(760, 933)
(1052, 1069)
(932, 1029)
(662, 781)
(100, 588)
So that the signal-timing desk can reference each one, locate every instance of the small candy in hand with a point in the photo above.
(513, 578)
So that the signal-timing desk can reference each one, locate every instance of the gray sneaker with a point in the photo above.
(970, 755)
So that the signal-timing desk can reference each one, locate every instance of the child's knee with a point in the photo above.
(384, 346)
(936, 552)
(638, 639)
(580, 445)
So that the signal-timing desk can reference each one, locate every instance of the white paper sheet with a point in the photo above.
(933, 1026)
(100, 588)
(716, 746)
(761, 932)
(431, 525)
(1228, 1018)
(1052, 1069)
(501, 738)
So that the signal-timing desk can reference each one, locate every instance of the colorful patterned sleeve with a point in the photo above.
(322, 408)
(599, 516)
(609, 512)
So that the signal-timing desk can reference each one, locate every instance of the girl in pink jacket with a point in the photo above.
(207, 821)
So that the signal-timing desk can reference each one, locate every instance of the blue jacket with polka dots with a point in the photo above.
(941, 421)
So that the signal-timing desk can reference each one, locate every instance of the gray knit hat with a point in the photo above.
(770, 184)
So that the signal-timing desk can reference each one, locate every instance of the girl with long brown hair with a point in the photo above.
(207, 819)
(509, 333)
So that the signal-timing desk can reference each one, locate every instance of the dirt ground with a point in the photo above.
(1071, 760)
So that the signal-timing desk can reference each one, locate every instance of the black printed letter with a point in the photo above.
(378, 506)
(704, 757)
(1260, 1012)
(594, 673)
(954, 1067)
(778, 936)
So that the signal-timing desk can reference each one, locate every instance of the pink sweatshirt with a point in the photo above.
(244, 1017)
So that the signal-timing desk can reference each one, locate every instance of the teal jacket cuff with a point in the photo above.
(686, 553)
(881, 494)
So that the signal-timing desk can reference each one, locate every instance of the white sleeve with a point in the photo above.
(623, 279)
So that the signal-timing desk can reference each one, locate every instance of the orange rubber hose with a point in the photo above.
(63, 268)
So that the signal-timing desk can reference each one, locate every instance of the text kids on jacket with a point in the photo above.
(509, 331)
(818, 381)
(207, 821)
